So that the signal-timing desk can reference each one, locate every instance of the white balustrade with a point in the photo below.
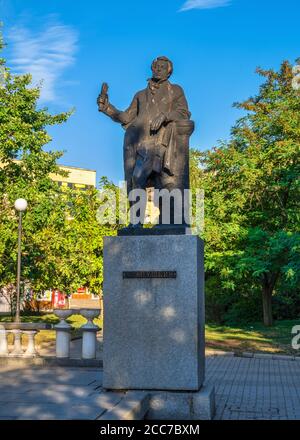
(3, 342)
(63, 335)
(31, 350)
(17, 344)
(17, 350)
(89, 333)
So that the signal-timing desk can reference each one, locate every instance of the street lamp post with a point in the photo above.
(20, 206)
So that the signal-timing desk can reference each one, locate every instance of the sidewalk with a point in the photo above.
(254, 388)
(54, 393)
(246, 389)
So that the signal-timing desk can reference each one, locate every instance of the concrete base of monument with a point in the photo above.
(166, 405)
(153, 336)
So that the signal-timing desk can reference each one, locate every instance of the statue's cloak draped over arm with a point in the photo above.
(178, 111)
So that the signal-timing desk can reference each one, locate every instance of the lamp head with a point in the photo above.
(21, 205)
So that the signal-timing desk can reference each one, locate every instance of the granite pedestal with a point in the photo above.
(153, 313)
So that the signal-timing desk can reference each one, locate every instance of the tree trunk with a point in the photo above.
(267, 305)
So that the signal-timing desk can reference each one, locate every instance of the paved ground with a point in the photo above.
(53, 393)
(255, 388)
(245, 389)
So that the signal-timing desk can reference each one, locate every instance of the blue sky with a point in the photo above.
(76, 45)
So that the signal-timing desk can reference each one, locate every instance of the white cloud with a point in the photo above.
(204, 4)
(45, 54)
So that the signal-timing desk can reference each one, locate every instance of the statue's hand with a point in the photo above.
(157, 123)
(102, 102)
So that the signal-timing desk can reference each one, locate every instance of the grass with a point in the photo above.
(251, 338)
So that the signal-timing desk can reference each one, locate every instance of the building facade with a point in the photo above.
(80, 178)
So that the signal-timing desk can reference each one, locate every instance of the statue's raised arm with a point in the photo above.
(122, 117)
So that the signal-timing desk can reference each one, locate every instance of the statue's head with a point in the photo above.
(162, 68)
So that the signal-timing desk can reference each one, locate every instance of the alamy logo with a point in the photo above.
(157, 206)
(296, 338)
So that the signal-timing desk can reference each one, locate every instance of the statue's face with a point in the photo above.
(160, 70)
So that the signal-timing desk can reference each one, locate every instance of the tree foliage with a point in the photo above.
(62, 240)
(252, 194)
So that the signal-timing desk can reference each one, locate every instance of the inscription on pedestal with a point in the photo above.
(150, 274)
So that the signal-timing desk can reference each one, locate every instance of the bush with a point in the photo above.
(226, 306)
(245, 310)
(286, 305)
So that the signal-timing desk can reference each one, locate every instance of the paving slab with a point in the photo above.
(54, 393)
(255, 388)
(246, 389)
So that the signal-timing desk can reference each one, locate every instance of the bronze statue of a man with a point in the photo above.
(158, 127)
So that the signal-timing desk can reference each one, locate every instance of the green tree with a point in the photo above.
(68, 252)
(252, 193)
(25, 165)
(62, 240)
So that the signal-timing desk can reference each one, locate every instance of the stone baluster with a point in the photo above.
(31, 349)
(63, 333)
(17, 350)
(3, 342)
(89, 333)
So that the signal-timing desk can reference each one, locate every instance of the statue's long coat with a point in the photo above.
(146, 105)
